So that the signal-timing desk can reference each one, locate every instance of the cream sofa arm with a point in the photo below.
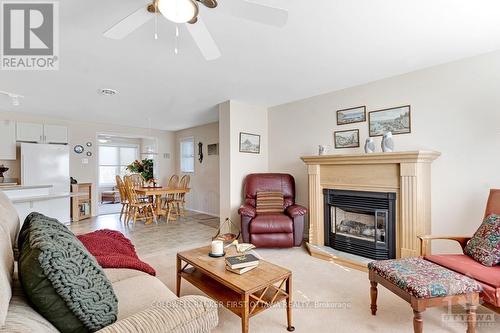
(188, 314)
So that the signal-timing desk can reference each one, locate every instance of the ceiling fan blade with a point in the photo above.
(204, 39)
(129, 24)
(209, 3)
(256, 12)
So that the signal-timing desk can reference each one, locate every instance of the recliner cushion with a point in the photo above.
(269, 202)
(272, 240)
(271, 223)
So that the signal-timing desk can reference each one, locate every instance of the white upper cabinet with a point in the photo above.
(55, 134)
(7, 140)
(41, 133)
(29, 132)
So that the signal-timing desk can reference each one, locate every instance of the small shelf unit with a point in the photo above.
(81, 201)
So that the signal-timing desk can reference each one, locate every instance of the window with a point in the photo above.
(113, 161)
(187, 155)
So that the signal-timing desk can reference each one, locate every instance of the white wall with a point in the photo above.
(204, 195)
(235, 117)
(455, 110)
(81, 132)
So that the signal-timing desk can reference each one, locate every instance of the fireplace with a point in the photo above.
(361, 223)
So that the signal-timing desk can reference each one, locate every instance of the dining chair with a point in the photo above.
(123, 196)
(180, 199)
(169, 203)
(138, 181)
(137, 208)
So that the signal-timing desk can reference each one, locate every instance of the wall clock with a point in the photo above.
(78, 149)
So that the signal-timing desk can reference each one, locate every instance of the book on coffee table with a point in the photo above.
(241, 270)
(241, 261)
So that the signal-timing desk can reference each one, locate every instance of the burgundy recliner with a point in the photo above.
(284, 229)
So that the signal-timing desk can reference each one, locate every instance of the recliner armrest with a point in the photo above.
(247, 210)
(296, 210)
(186, 314)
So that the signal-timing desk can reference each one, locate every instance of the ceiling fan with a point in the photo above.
(187, 11)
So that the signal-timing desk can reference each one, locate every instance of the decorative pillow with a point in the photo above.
(484, 246)
(62, 279)
(269, 202)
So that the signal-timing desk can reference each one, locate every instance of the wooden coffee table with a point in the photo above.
(245, 295)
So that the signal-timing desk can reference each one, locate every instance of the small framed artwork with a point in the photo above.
(395, 120)
(346, 139)
(213, 149)
(351, 115)
(249, 143)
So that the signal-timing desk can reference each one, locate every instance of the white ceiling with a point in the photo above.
(326, 45)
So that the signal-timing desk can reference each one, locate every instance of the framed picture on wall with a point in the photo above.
(346, 139)
(351, 115)
(213, 149)
(395, 120)
(249, 143)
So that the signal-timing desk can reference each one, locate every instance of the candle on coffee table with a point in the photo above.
(217, 247)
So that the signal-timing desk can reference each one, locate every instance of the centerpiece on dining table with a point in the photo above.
(145, 168)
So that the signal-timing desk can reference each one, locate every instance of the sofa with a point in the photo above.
(279, 229)
(488, 277)
(145, 304)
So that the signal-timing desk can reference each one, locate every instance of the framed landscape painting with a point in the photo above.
(395, 120)
(352, 115)
(249, 143)
(346, 139)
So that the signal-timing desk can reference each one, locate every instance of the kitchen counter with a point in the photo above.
(22, 187)
(41, 197)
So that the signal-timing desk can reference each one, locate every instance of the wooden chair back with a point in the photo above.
(184, 182)
(121, 188)
(130, 191)
(493, 204)
(136, 179)
(173, 182)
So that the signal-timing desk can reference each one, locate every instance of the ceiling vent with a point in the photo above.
(108, 92)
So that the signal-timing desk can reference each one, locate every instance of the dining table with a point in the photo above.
(157, 193)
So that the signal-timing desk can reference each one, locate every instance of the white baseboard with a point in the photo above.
(201, 212)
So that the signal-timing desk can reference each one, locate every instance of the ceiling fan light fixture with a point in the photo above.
(178, 11)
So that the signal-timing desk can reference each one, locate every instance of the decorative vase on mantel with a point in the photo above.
(387, 143)
(369, 146)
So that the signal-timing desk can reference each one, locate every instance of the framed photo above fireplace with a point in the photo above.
(395, 120)
(249, 143)
(351, 115)
(346, 139)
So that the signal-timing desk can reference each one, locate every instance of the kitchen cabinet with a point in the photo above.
(29, 132)
(41, 133)
(55, 134)
(7, 140)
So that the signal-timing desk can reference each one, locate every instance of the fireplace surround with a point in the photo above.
(361, 222)
(405, 173)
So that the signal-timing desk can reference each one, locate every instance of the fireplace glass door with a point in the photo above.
(362, 225)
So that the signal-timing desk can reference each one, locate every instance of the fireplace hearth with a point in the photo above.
(361, 223)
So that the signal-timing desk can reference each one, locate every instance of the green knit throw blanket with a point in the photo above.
(74, 273)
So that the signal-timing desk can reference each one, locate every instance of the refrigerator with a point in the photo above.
(45, 164)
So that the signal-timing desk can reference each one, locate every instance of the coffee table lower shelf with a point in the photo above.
(243, 304)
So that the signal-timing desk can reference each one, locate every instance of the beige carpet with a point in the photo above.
(328, 297)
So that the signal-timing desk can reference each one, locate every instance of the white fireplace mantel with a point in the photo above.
(408, 174)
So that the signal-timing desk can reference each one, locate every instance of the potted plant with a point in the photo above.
(144, 168)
